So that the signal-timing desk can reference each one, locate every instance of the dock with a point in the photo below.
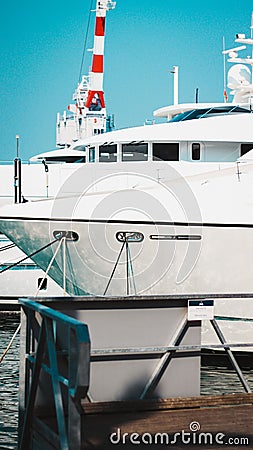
(84, 385)
(9, 304)
(214, 420)
(210, 422)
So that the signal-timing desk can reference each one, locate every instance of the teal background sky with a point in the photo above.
(42, 44)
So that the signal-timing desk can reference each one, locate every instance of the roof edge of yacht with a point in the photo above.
(216, 128)
(172, 110)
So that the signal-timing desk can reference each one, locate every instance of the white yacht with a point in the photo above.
(158, 209)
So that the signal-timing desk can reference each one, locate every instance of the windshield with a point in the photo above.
(208, 112)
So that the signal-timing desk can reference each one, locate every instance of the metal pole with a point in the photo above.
(17, 180)
(197, 95)
(175, 69)
(127, 269)
(17, 145)
(230, 355)
(164, 362)
(175, 74)
(17, 174)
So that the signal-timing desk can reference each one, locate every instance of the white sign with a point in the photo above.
(200, 309)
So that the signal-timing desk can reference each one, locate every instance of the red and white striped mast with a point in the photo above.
(88, 114)
(97, 71)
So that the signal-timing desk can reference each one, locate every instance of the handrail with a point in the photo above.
(55, 363)
(57, 316)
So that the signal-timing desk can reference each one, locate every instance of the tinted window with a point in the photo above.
(165, 151)
(66, 159)
(80, 148)
(195, 152)
(208, 112)
(135, 151)
(245, 148)
(108, 153)
(92, 154)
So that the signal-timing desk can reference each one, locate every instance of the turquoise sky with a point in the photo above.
(42, 45)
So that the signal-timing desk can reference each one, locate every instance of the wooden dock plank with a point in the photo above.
(170, 403)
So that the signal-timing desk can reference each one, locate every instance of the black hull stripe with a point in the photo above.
(133, 222)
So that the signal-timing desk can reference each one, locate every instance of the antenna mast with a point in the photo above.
(240, 77)
(87, 116)
(175, 84)
(225, 95)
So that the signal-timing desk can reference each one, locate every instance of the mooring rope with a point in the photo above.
(29, 256)
(132, 271)
(50, 264)
(71, 273)
(115, 266)
(129, 269)
(7, 268)
(7, 247)
(10, 343)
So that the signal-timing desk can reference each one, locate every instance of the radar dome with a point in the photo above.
(238, 76)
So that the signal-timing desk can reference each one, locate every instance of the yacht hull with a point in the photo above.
(169, 258)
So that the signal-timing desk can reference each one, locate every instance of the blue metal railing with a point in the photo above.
(54, 374)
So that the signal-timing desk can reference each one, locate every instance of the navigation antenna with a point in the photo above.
(225, 95)
(87, 116)
(240, 76)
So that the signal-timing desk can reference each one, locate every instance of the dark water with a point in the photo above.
(218, 380)
(214, 380)
(9, 374)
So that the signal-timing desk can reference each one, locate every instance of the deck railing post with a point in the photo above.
(164, 361)
(74, 425)
(230, 355)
